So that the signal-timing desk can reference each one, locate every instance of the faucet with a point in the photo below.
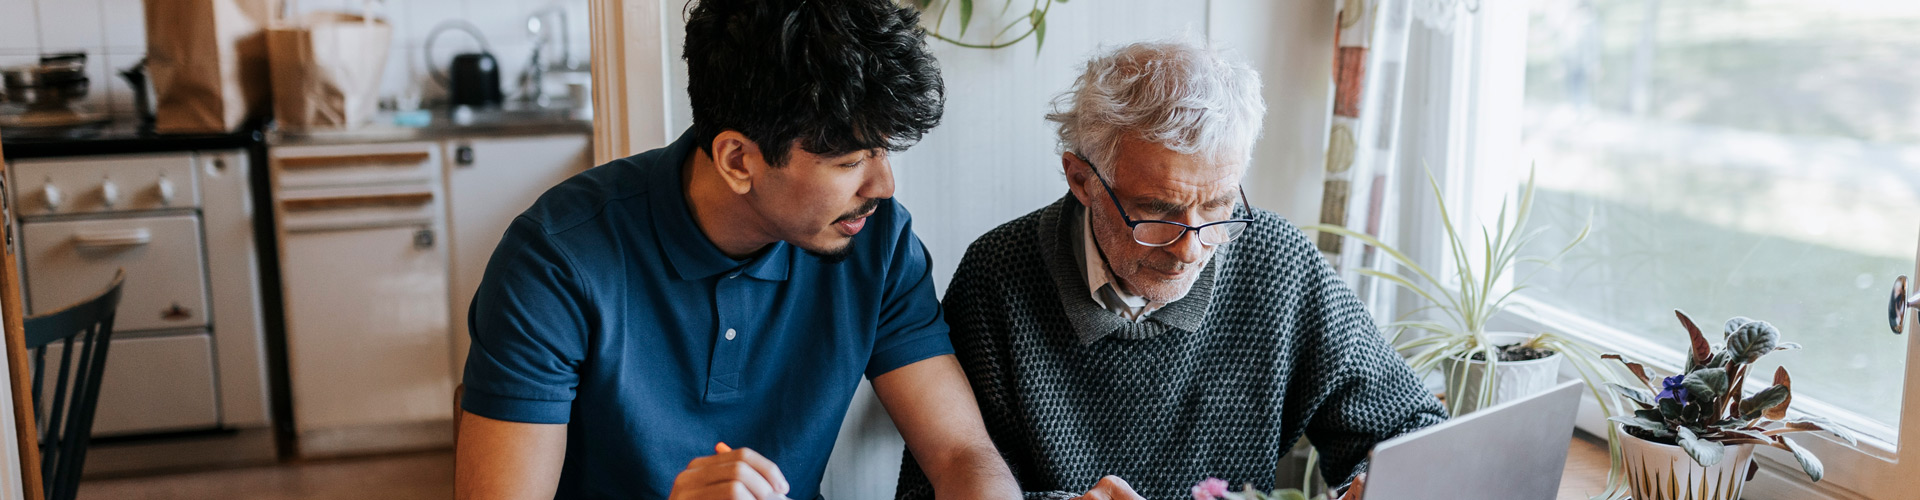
(534, 75)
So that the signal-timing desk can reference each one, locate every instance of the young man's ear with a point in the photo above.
(735, 158)
(1079, 174)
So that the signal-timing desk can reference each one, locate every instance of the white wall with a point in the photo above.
(993, 159)
(113, 34)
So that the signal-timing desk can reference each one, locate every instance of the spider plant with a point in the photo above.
(1472, 295)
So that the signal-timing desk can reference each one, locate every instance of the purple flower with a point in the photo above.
(1210, 489)
(1673, 388)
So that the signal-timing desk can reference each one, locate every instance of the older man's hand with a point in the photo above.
(1111, 488)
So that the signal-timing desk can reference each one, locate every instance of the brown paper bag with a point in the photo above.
(208, 61)
(326, 70)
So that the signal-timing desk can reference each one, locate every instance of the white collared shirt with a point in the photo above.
(1102, 284)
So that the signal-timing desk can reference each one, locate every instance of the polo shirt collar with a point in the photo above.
(688, 250)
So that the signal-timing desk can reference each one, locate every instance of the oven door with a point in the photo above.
(67, 261)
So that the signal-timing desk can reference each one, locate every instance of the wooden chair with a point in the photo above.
(66, 424)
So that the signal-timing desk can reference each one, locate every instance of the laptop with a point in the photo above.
(1515, 450)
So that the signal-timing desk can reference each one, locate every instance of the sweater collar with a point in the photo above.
(1060, 234)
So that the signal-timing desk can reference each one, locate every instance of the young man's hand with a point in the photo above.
(737, 474)
(1111, 488)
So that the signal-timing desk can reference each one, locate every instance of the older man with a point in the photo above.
(1150, 329)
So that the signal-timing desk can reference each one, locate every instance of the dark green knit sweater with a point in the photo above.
(1268, 346)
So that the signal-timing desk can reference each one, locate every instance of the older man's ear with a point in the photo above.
(1079, 174)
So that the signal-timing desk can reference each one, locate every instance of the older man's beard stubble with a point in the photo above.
(1148, 275)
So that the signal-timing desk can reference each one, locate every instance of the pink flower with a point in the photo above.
(1210, 489)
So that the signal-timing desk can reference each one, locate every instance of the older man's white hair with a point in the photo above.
(1184, 97)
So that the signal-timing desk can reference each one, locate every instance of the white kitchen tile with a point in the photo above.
(71, 24)
(119, 91)
(395, 14)
(125, 22)
(7, 60)
(423, 15)
(97, 99)
(513, 58)
(503, 21)
(19, 26)
(306, 6)
(393, 80)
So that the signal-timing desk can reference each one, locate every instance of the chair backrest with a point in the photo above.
(82, 333)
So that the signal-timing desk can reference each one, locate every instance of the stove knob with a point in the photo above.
(166, 191)
(53, 196)
(109, 192)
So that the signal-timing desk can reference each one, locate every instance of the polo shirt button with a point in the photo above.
(730, 334)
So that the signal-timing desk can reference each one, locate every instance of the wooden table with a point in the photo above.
(1586, 472)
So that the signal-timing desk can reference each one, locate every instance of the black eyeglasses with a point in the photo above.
(1160, 233)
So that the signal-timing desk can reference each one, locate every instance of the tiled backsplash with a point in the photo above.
(113, 34)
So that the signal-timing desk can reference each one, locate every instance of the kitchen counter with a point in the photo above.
(118, 137)
(491, 122)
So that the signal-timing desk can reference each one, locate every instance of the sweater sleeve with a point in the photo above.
(975, 307)
(1366, 391)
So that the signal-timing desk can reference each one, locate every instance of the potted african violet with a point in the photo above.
(1693, 434)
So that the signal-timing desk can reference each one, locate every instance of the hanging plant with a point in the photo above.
(1033, 24)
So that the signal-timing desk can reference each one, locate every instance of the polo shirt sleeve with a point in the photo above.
(912, 327)
(528, 327)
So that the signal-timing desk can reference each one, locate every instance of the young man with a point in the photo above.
(731, 287)
(1150, 330)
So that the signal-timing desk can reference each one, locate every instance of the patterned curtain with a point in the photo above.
(1370, 48)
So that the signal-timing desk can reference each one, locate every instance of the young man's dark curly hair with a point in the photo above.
(834, 77)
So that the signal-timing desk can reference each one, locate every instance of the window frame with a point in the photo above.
(1472, 83)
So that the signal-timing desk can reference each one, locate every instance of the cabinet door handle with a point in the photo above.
(463, 155)
(113, 239)
(376, 200)
(355, 160)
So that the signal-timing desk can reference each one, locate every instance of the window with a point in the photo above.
(1757, 158)
(1735, 157)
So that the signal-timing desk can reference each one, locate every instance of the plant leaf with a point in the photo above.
(1671, 411)
(1039, 20)
(1734, 324)
(1780, 379)
(1706, 453)
(1808, 462)
(1748, 434)
(1638, 396)
(1641, 423)
(1752, 340)
(1810, 424)
(1751, 408)
(966, 15)
(1637, 369)
(1706, 385)
(1701, 351)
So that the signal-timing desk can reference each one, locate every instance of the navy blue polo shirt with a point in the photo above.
(605, 308)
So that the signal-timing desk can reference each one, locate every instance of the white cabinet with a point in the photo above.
(381, 249)
(489, 182)
(152, 384)
(364, 273)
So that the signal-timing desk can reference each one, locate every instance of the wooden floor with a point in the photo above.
(430, 476)
(427, 475)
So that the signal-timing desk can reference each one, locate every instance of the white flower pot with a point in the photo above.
(1665, 472)
(1513, 379)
